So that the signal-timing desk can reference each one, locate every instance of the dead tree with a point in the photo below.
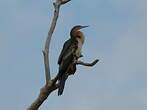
(51, 83)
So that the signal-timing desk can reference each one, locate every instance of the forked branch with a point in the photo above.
(57, 5)
(49, 86)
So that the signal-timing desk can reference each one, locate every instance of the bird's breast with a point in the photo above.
(79, 48)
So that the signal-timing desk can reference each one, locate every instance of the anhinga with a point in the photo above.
(70, 53)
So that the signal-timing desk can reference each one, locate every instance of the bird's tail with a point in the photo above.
(62, 84)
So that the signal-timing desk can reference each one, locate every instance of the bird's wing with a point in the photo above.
(64, 50)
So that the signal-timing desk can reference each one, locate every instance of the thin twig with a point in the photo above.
(87, 64)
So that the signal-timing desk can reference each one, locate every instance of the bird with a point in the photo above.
(70, 53)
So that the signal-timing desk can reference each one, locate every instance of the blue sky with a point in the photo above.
(117, 35)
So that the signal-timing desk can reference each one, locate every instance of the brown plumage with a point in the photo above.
(70, 53)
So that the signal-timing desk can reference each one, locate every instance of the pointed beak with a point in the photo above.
(84, 26)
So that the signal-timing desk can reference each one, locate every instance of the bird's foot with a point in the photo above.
(81, 56)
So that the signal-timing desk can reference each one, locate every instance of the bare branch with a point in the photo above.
(49, 87)
(87, 64)
(44, 93)
(57, 5)
(47, 44)
(46, 64)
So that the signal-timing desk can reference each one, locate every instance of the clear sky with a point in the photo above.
(117, 35)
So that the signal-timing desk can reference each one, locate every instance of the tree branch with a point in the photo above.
(78, 63)
(57, 5)
(49, 86)
(44, 93)
(48, 40)
(87, 64)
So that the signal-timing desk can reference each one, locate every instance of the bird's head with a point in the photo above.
(75, 31)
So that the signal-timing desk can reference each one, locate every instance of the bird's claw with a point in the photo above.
(81, 56)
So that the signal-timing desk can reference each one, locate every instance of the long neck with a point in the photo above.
(73, 32)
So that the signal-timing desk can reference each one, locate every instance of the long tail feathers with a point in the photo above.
(62, 84)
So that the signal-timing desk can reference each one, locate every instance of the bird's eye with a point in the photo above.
(78, 36)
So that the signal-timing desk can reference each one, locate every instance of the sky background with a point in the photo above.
(117, 36)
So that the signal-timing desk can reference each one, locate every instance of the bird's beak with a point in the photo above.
(81, 27)
(84, 26)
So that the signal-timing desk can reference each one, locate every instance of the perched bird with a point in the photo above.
(69, 55)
